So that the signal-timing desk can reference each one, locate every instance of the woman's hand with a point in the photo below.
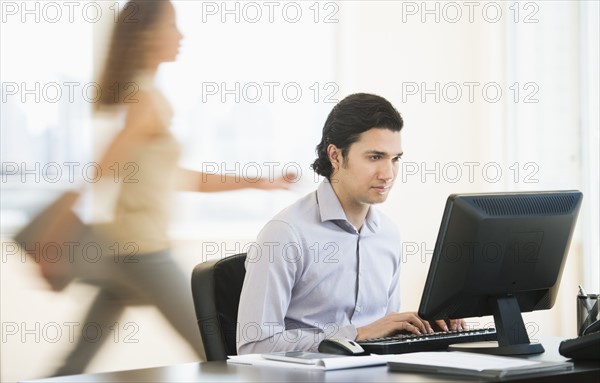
(278, 183)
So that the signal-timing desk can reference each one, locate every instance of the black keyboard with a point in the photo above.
(401, 344)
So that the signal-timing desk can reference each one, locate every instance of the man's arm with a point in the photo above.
(273, 265)
(395, 321)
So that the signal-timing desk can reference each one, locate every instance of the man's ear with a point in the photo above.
(335, 156)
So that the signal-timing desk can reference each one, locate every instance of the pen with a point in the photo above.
(588, 304)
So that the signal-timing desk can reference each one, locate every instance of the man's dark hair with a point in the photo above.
(352, 116)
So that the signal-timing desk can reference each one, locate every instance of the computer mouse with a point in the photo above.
(341, 346)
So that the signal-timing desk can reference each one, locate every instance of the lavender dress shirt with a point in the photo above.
(311, 275)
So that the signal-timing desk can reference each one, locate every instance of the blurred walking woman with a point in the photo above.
(145, 36)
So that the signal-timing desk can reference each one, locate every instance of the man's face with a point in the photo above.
(366, 174)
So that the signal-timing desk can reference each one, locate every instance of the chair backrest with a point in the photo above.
(216, 288)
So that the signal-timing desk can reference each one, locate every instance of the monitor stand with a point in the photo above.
(510, 329)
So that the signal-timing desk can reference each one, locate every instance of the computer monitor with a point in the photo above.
(500, 254)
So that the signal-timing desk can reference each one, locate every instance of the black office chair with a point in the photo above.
(216, 288)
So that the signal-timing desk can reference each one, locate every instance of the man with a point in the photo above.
(329, 265)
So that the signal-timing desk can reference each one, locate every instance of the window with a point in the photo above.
(47, 91)
(251, 89)
(555, 59)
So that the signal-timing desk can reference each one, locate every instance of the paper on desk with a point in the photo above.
(462, 360)
(466, 363)
(325, 364)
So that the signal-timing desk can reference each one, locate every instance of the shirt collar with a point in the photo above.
(331, 209)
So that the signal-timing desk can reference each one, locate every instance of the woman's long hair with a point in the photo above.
(131, 39)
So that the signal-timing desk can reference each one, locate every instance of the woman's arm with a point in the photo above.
(190, 180)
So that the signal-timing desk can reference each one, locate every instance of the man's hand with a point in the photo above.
(450, 325)
(407, 322)
(393, 323)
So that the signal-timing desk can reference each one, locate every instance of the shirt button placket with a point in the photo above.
(359, 281)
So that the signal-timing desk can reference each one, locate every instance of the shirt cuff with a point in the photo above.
(348, 332)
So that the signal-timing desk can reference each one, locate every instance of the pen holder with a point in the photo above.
(587, 311)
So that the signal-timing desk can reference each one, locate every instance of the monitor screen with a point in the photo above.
(500, 254)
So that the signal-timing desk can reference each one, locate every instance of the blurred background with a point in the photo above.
(496, 96)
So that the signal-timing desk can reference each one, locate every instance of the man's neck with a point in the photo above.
(356, 212)
(357, 219)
